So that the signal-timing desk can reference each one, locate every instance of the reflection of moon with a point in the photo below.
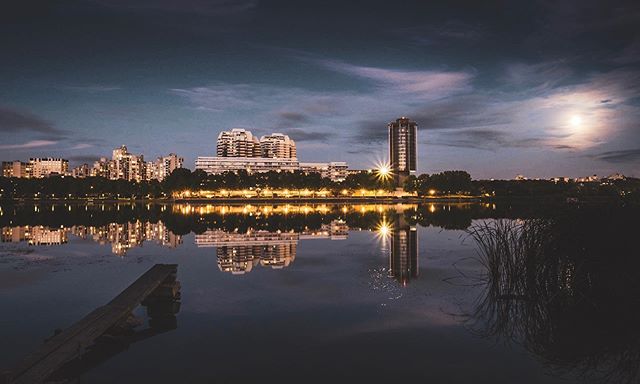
(576, 120)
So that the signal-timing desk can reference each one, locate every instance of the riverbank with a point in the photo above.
(323, 200)
(257, 200)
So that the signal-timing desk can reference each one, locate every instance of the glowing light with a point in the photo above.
(384, 230)
(432, 192)
(383, 171)
(576, 120)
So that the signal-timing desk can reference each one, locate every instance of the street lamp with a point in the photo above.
(383, 171)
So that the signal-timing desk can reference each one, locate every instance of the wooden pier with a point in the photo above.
(73, 341)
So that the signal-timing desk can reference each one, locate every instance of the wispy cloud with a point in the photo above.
(621, 156)
(29, 144)
(14, 120)
(206, 7)
(81, 146)
(92, 88)
(300, 135)
(425, 84)
(218, 97)
(447, 32)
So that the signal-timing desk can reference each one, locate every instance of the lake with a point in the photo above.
(450, 293)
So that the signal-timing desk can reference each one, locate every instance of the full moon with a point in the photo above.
(576, 120)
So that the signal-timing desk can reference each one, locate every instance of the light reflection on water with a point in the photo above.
(337, 289)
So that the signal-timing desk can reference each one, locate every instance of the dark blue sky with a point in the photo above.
(497, 88)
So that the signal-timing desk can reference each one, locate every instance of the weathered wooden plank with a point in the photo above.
(71, 342)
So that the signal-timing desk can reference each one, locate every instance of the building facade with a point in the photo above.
(402, 148)
(239, 150)
(237, 143)
(81, 171)
(278, 145)
(163, 166)
(16, 169)
(127, 166)
(47, 166)
(100, 168)
(217, 165)
(334, 170)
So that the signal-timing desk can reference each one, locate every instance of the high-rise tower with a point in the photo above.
(402, 149)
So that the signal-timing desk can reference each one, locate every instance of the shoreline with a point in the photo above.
(245, 200)
(319, 200)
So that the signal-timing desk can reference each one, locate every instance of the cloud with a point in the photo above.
(81, 146)
(449, 32)
(292, 118)
(299, 135)
(205, 7)
(490, 139)
(370, 132)
(541, 76)
(13, 121)
(426, 84)
(620, 156)
(29, 144)
(92, 88)
(630, 54)
(218, 97)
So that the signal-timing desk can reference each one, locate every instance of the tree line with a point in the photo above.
(448, 183)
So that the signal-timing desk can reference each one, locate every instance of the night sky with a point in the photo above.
(547, 88)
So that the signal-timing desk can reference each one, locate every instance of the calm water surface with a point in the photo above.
(295, 292)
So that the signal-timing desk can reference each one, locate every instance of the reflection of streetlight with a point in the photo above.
(383, 230)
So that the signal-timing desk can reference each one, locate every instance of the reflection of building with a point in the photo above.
(14, 234)
(238, 253)
(403, 260)
(336, 230)
(45, 236)
(36, 235)
(402, 148)
(122, 237)
(126, 236)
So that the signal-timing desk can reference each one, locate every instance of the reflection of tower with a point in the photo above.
(403, 260)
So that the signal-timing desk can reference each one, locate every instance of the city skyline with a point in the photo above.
(549, 91)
